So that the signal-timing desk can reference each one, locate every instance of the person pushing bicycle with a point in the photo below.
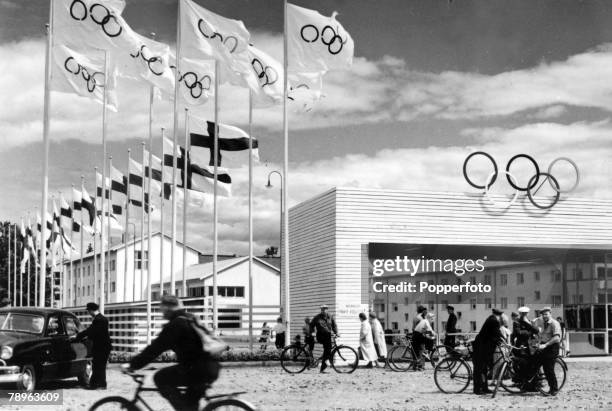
(195, 369)
(548, 349)
(325, 326)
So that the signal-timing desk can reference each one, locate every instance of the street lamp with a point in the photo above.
(282, 210)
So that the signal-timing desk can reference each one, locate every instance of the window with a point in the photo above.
(503, 280)
(520, 278)
(556, 301)
(555, 276)
(473, 326)
(88, 290)
(88, 270)
(487, 279)
(520, 301)
(395, 326)
(83, 293)
(234, 292)
(536, 275)
(54, 327)
(195, 292)
(472, 303)
(537, 295)
(113, 287)
(72, 327)
(112, 265)
(394, 306)
(406, 317)
(488, 303)
(139, 261)
(431, 305)
(504, 302)
(229, 317)
(459, 298)
(78, 292)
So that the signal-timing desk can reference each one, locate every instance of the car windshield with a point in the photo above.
(27, 323)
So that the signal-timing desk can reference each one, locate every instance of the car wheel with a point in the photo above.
(85, 374)
(28, 379)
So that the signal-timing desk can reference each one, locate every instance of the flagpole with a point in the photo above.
(82, 251)
(161, 210)
(185, 194)
(71, 274)
(52, 251)
(20, 272)
(102, 256)
(142, 223)
(8, 267)
(104, 289)
(62, 275)
(149, 245)
(250, 220)
(126, 231)
(37, 265)
(28, 270)
(46, 145)
(95, 235)
(15, 264)
(285, 252)
(215, 211)
(175, 135)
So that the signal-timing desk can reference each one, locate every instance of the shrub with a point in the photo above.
(232, 355)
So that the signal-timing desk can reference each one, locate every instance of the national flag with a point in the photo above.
(155, 169)
(136, 182)
(118, 181)
(65, 210)
(206, 35)
(25, 248)
(76, 227)
(315, 42)
(77, 198)
(84, 75)
(88, 204)
(99, 185)
(232, 142)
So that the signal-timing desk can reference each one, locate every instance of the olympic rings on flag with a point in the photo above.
(151, 61)
(291, 88)
(329, 37)
(233, 41)
(195, 85)
(89, 78)
(99, 14)
(267, 72)
(533, 181)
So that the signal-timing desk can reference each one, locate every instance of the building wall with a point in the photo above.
(347, 219)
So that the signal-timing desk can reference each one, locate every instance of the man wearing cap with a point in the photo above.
(451, 326)
(549, 334)
(484, 348)
(325, 326)
(522, 330)
(98, 334)
(195, 367)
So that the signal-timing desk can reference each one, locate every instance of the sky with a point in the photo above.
(431, 82)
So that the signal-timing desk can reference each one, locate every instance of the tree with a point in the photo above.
(271, 251)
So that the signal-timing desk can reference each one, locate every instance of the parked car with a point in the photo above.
(38, 344)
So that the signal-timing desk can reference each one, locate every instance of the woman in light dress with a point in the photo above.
(366, 342)
(378, 335)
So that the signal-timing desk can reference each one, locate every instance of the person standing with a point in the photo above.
(549, 334)
(366, 342)
(264, 337)
(279, 331)
(325, 326)
(379, 336)
(451, 326)
(98, 334)
(308, 338)
(522, 330)
(484, 347)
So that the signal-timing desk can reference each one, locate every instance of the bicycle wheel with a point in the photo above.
(344, 359)
(560, 375)
(294, 359)
(452, 376)
(402, 358)
(510, 380)
(228, 404)
(438, 353)
(113, 404)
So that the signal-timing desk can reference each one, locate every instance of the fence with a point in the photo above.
(128, 321)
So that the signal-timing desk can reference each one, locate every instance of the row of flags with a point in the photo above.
(82, 28)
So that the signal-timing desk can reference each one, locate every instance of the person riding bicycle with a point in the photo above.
(325, 326)
(423, 340)
(549, 335)
(195, 369)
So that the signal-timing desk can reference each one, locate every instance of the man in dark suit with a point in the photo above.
(98, 334)
(484, 347)
(451, 326)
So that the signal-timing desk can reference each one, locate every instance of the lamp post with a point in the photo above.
(282, 210)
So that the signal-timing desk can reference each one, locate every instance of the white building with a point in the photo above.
(120, 287)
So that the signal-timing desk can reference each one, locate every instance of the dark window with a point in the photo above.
(138, 259)
(72, 326)
(54, 326)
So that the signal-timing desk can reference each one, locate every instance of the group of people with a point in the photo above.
(372, 344)
(538, 340)
(277, 332)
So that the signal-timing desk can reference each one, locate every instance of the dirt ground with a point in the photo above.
(269, 388)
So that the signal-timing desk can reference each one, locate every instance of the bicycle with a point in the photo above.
(402, 357)
(508, 376)
(213, 402)
(295, 358)
(453, 373)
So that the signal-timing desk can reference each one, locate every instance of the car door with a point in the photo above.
(58, 366)
(76, 352)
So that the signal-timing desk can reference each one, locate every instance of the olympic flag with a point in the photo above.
(266, 78)
(83, 75)
(315, 42)
(196, 81)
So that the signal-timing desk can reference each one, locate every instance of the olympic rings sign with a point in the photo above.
(75, 68)
(99, 14)
(329, 37)
(266, 74)
(209, 34)
(196, 85)
(155, 63)
(531, 184)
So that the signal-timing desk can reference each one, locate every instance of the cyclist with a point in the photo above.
(195, 369)
(549, 336)
(325, 326)
(422, 340)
